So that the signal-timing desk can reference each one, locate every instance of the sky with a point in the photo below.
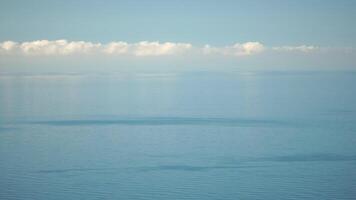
(101, 36)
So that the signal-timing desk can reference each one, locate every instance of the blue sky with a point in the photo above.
(285, 26)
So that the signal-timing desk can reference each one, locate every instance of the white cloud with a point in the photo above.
(64, 47)
(155, 48)
(247, 48)
(143, 48)
(117, 48)
(146, 48)
(57, 47)
(238, 49)
(301, 48)
(8, 45)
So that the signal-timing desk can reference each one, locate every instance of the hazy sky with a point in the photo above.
(68, 35)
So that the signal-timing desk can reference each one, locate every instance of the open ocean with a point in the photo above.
(165, 136)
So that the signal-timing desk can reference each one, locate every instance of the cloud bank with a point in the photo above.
(64, 47)
(139, 49)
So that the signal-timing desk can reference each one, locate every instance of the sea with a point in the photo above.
(204, 135)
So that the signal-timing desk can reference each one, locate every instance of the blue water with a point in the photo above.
(203, 135)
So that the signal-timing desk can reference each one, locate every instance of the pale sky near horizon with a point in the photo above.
(70, 35)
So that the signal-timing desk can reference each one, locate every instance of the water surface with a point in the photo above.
(255, 135)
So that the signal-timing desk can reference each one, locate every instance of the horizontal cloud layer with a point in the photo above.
(64, 47)
(143, 48)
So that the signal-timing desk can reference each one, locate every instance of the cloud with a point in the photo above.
(8, 45)
(155, 48)
(64, 47)
(244, 49)
(46, 47)
(301, 48)
(143, 48)
(56, 47)
(117, 48)
(146, 48)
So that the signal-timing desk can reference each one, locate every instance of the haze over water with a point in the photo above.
(203, 135)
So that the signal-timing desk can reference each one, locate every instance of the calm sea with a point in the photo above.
(164, 136)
